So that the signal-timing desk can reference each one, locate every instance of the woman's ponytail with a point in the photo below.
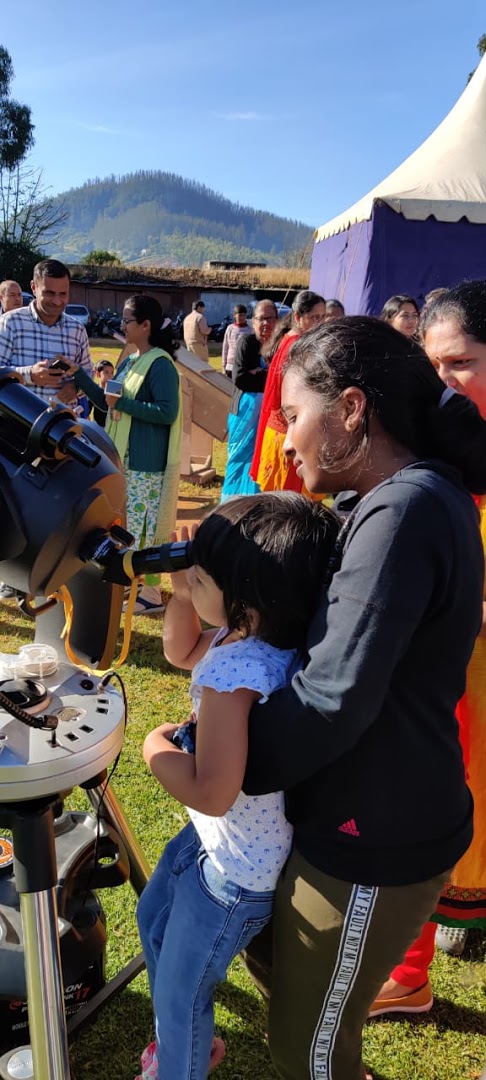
(457, 435)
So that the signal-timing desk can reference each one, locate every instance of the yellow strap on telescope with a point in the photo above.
(127, 564)
(64, 595)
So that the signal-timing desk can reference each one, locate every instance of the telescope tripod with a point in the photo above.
(32, 826)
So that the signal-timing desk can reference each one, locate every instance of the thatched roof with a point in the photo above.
(248, 278)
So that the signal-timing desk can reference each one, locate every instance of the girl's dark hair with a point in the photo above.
(434, 294)
(147, 307)
(268, 552)
(305, 300)
(395, 304)
(466, 304)
(401, 387)
(282, 328)
(335, 305)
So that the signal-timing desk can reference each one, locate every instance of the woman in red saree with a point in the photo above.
(270, 468)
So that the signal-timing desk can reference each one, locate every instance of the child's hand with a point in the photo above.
(180, 585)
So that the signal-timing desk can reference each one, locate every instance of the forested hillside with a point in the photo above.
(165, 219)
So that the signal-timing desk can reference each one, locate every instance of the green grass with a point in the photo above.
(448, 1044)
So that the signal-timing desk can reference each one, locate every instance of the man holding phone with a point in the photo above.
(41, 342)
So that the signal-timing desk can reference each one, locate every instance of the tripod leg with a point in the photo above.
(36, 879)
(45, 998)
(113, 814)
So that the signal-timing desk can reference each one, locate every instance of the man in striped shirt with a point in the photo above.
(32, 337)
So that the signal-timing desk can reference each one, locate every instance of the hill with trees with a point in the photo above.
(158, 217)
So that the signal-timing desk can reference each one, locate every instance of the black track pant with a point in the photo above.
(334, 945)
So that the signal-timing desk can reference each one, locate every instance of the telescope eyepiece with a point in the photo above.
(107, 550)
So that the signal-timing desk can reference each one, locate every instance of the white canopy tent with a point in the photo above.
(444, 179)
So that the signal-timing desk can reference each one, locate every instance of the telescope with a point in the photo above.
(62, 505)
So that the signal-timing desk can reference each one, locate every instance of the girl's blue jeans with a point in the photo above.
(192, 923)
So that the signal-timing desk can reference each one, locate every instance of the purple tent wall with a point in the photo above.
(375, 259)
(340, 267)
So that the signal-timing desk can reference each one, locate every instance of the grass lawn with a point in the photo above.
(447, 1044)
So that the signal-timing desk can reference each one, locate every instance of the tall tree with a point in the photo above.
(28, 216)
(16, 127)
(481, 47)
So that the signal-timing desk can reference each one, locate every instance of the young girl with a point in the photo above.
(259, 562)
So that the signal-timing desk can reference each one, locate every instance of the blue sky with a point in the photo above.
(296, 108)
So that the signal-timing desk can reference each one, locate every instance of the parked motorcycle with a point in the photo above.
(178, 326)
(106, 322)
(218, 331)
(113, 324)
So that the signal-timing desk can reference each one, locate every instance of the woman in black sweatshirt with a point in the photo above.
(374, 705)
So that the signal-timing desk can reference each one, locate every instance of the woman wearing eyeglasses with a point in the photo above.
(403, 314)
(249, 377)
(145, 424)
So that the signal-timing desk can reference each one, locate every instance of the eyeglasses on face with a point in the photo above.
(264, 318)
(125, 322)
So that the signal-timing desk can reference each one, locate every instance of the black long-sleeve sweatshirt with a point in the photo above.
(246, 379)
(365, 741)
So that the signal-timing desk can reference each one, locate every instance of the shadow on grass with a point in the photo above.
(244, 1032)
(250, 1008)
(112, 1045)
(447, 1015)
(444, 1016)
(147, 645)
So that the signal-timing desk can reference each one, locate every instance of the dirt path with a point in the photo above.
(191, 508)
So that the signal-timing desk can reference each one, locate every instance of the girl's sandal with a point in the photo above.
(218, 1051)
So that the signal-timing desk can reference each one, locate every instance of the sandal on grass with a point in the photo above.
(150, 1069)
(218, 1051)
(143, 606)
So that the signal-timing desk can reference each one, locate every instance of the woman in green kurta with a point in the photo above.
(145, 424)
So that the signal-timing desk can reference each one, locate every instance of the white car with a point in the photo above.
(81, 313)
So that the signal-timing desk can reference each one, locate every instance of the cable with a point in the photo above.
(48, 722)
(107, 676)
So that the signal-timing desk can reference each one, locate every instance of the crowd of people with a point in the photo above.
(332, 766)
(141, 409)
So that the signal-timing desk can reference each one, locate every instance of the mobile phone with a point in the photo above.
(185, 737)
(58, 364)
(113, 386)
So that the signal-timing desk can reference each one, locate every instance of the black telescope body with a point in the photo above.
(62, 501)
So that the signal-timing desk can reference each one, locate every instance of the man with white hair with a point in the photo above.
(10, 295)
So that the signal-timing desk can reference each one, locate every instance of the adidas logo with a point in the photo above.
(349, 827)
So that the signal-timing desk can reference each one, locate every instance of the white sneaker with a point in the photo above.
(451, 939)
